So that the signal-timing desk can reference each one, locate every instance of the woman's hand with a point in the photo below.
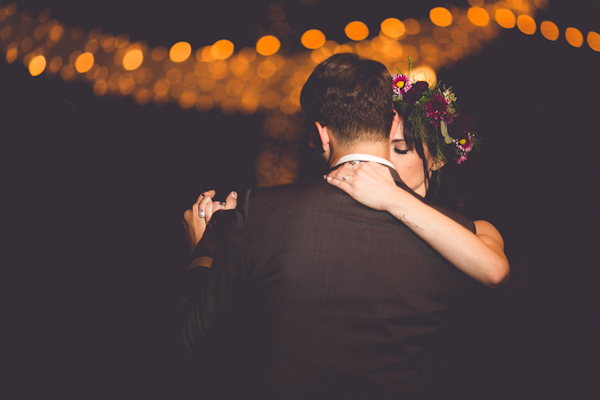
(196, 218)
(369, 183)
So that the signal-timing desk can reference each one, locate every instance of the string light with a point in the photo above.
(313, 39)
(260, 79)
(506, 18)
(526, 24)
(549, 30)
(268, 45)
(356, 30)
(574, 37)
(478, 16)
(180, 52)
(393, 28)
(246, 81)
(133, 59)
(214, 67)
(37, 65)
(440, 16)
(84, 62)
(593, 40)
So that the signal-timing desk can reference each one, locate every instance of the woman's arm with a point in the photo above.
(480, 255)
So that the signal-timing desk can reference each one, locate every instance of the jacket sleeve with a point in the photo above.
(212, 286)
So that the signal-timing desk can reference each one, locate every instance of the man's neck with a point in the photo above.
(381, 150)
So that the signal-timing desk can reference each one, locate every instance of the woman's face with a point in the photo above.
(407, 161)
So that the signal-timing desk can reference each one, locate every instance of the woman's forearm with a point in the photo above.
(481, 255)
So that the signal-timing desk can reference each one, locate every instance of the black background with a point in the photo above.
(95, 190)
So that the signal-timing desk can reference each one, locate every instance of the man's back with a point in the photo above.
(338, 300)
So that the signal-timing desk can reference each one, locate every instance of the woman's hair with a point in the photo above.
(439, 186)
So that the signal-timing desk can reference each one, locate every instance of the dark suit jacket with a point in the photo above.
(313, 295)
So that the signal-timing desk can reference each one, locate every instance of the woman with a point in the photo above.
(432, 113)
(480, 255)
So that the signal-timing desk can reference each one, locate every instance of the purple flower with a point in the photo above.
(461, 126)
(465, 144)
(436, 109)
(415, 92)
(462, 158)
(401, 83)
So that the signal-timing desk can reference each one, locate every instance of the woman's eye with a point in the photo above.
(400, 151)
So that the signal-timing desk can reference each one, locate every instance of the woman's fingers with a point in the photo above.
(204, 211)
(345, 173)
(207, 207)
(231, 201)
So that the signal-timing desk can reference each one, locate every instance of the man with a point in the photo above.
(312, 295)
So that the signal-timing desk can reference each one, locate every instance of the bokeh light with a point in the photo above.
(262, 78)
(222, 49)
(593, 39)
(84, 62)
(242, 82)
(11, 53)
(393, 28)
(55, 64)
(425, 73)
(313, 39)
(549, 30)
(268, 45)
(133, 59)
(526, 24)
(440, 16)
(478, 16)
(574, 37)
(413, 27)
(356, 30)
(37, 65)
(180, 52)
(506, 18)
(187, 99)
(159, 53)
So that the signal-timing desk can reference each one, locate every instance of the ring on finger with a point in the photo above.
(201, 213)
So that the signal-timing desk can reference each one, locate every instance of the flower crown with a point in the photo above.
(436, 108)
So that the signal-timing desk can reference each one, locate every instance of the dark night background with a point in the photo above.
(95, 190)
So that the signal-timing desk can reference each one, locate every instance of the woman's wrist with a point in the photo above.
(395, 202)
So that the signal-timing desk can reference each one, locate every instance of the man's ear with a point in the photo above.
(395, 123)
(325, 136)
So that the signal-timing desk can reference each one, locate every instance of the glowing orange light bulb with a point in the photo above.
(180, 51)
(268, 45)
(133, 59)
(37, 65)
(440, 16)
(313, 39)
(84, 62)
(357, 31)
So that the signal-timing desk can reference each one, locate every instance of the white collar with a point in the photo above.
(364, 157)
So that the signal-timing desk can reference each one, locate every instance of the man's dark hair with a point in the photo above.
(352, 96)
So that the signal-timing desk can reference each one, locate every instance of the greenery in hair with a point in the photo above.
(432, 112)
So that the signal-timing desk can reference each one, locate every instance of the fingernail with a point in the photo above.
(234, 195)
